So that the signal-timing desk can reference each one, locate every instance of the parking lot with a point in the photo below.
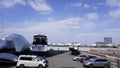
(63, 60)
(56, 60)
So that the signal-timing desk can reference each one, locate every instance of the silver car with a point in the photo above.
(97, 62)
(78, 57)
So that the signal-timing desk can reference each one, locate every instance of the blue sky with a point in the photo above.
(83, 21)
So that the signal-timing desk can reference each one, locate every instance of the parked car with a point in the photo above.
(78, 57)
(31, 61)
(97, 62)
(87, 58)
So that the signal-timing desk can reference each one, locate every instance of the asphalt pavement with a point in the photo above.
(56, 59)
(63, 60)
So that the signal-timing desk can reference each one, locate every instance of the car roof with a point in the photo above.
(83, 54)
(100, 58)
(28, 56)
(92, 56)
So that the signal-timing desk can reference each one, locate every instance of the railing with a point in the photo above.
(114, 62)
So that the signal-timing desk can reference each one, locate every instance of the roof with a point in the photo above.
(40, 36)
(27, 56)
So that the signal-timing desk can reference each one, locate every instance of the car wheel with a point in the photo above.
(77, 59)
(21, 66)
(81, 61)
(106, 66)
(40, 66)
(90, 66)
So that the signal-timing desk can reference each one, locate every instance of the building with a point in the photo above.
(108, 40)
(100, 43)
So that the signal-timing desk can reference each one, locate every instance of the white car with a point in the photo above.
(31, 61)
(78, 57)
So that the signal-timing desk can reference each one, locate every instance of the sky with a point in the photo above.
(64, 21)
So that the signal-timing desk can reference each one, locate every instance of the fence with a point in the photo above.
(114, 62)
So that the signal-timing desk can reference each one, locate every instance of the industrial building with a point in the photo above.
(107, 42)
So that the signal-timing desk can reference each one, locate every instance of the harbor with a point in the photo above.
(59, 34)
(61, 59)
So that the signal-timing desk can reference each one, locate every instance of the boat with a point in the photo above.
(39, 44)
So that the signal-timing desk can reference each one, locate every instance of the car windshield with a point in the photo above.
(40, 58)
(92, 56)
(92, 60)
(78, 55)
(83, 55)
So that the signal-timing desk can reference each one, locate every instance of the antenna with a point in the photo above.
(1, 17)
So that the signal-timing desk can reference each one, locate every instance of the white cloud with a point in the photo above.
(94, 37)
(95, 7)
(61, 30)
(113, 32)
(91, 37)
(86, 5)
(115, 13)
(78, 23)
(88, 26)
(116, 4)
(92, 15)
(12, 3)
(54, 29)
(77, 4)
(113, 3)
(50, 18)
(100, 3)
(38, 5)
